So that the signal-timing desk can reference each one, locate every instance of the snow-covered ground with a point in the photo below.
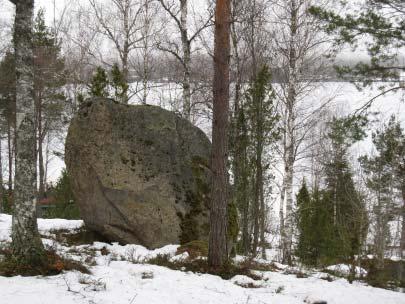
(121, 277)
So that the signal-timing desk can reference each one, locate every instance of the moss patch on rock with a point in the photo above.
(190, 228)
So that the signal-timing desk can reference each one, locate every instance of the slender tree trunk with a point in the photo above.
(218, 251)
(40, 151)
(256, 200)
(145, 54)
(186, 59)
(10, 160)
(240, 167)
(46, 163)
(283, 191)
(288, 221)
(402, 246)
(1, 179)
(26, 242)
(290, 140)
(253, 38)
(281, 216)
(262, 221)
(380, 236)
(125, 50)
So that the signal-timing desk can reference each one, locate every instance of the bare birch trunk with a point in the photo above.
(186, 59)
(26, 242)
(146, 50)
(290, 141)
(218, 251)
(125, 51)
(281, 216)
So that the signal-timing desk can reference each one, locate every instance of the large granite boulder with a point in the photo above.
(139, 173)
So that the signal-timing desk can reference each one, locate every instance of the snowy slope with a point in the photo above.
(116, 280)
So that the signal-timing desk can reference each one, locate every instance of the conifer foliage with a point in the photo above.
(109, 86)
(381, 23)
(254, 134)
(332, 222)
(385, 173)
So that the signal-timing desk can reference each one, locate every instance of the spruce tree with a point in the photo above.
(323, 247)
(239, 144)
(305, 214)
(261, 126)
(332, 222)
(349, 213)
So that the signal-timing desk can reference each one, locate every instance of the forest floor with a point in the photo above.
(120, 274)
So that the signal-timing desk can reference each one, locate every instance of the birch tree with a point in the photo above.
(300, 45)
(26, 242)
(148, 44)
(178, 11)
(119, 22)
(218, 251)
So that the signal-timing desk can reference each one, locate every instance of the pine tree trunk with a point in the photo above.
(26, 242)
(218, 251)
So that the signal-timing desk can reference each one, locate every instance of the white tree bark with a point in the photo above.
(297, 41)
(289, 155)
(26, 242)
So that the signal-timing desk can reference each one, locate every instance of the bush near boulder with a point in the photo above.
(54, 264)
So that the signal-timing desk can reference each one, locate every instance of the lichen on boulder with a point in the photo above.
(140, 174)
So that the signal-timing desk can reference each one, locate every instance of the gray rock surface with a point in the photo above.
(139, 173)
